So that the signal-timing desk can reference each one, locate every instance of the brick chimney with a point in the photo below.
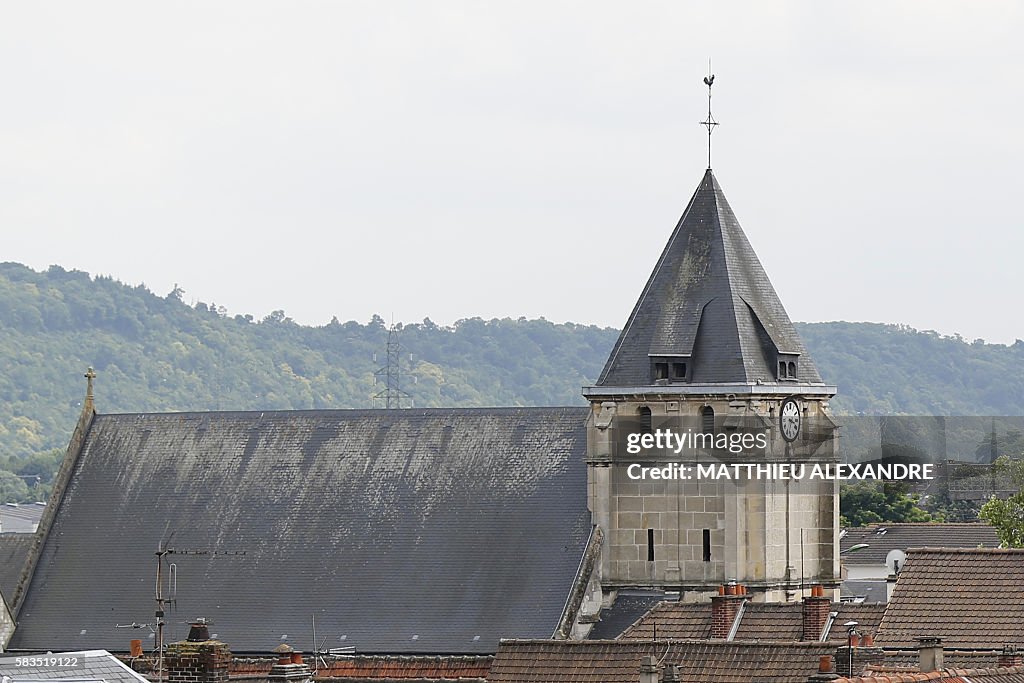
(1011, 656)
(724, 608)
(858, 653)
(826, 671)
(929, 650)
(649, 670)
(198, 658)
(670, 674)
(816, 608)
(289, 667)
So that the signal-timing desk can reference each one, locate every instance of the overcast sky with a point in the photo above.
(463, 159)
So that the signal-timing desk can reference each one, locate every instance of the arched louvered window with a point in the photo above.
(646, 423)
(707, 420)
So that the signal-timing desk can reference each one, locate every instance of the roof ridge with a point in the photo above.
(344, 411)
(760, 642)
(966, 551)
(617, 348)
(888, 525)
(948, 672)
(716, 190)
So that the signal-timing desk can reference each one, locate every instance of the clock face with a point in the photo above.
(789, 419)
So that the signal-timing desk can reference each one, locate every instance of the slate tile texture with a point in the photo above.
(709, 298)
(94, 665)
(404, 531)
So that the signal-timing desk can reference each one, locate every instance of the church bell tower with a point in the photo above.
(710, 349)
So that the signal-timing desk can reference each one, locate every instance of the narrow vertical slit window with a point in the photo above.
(650, 545)
(707, 545)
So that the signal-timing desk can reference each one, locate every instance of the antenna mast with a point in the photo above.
(162, 551)
(710, 122)
(391, 373)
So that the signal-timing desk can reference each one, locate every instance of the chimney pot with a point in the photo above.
(826, 671)
(284, 653)
(199, 631)
(289, 668)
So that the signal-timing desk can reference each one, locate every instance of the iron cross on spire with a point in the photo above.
(710, 122)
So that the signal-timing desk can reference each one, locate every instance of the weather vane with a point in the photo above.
(710, 123)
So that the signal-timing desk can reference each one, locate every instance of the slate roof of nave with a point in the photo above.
(404, 531)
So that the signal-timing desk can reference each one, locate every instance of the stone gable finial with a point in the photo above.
(90, 375)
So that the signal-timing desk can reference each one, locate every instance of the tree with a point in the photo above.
(13, 488)
(872, 502)
(1007, 515)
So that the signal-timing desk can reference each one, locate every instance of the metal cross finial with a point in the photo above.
(710, 122)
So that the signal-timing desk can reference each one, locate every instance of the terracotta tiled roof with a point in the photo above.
(993, 675)
(612, 661)
(759, 621)
(913, 535)
(771, 621)
(383, 667)
(908, 660)
(968, 597)
(867, 615)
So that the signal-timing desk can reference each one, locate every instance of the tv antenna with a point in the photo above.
(318, 650)
(391, 373)
(163, 551)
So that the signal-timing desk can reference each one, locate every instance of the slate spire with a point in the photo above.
(709, 314)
